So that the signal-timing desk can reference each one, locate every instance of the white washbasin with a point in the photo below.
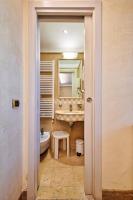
(70, 116)
(67, 112)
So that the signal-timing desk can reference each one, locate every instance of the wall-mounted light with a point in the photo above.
(65, 31)
(70, 55)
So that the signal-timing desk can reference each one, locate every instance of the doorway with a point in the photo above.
(61, 108)
(92, 97)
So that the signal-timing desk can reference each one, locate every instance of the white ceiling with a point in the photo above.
(53, 38)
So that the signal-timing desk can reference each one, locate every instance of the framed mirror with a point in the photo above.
(70, 78)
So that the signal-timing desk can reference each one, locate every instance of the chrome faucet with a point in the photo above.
(70, 107)
(60, 105)
(79, 106)
(81, 92)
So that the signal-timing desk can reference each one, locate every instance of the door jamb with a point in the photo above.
(83, 8)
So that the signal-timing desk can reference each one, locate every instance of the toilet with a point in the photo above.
(44, 141)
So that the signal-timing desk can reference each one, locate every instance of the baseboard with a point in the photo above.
(106, 195)
(23, 196)
(117, 195)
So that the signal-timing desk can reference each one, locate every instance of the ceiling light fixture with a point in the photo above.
(65, 31)
(70, 55)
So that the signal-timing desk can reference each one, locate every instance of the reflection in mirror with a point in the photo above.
(70, 78)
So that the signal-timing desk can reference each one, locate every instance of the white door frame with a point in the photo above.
(91, 10)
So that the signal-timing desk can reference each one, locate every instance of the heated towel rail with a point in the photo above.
(47, 89)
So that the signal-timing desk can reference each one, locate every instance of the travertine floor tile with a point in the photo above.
(46, 177)
(61, 193)
(47, 193)
(78, 174)
(63, 177)
(60, 180)
(73, 160)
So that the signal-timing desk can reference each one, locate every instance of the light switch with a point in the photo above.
(15, 103)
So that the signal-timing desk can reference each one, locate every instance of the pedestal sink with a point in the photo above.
(70, 116)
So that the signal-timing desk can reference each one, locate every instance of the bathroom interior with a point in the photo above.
(61, 109)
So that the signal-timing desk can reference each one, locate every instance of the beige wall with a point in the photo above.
(117, 66)
(10, 88)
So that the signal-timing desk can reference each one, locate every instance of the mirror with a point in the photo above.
(70, 78)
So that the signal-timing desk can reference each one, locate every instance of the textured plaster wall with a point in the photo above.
(25, 94)
(10, 87)
(117, 54)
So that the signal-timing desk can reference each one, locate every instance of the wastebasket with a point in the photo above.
(79, 147)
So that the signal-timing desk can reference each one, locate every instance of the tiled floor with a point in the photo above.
(60, 180)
